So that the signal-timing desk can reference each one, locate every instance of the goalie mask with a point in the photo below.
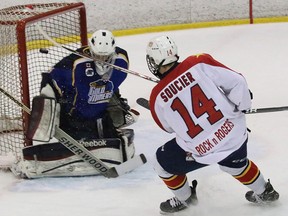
(102, 47)
(159, 52)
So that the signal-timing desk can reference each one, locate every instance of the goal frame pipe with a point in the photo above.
(22, 47)
(251, 11)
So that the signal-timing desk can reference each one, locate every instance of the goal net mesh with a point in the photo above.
(22, 62)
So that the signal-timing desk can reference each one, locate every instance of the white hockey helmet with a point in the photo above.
(160, 51)
(102, 47)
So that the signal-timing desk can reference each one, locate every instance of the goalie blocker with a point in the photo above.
(55, 160)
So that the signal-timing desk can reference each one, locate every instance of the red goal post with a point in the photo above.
(21, 62)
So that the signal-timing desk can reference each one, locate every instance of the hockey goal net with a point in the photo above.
(25, 54)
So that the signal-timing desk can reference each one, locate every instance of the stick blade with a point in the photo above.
(128, 166)
(143, 102)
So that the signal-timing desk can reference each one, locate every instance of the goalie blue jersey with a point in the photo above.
(82, 93)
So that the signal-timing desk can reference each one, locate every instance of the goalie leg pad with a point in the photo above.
(55, 160)
(44, 116)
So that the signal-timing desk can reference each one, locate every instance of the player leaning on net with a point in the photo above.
(92, 110)
(201, 101)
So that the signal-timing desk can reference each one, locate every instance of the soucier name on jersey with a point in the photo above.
(176, 86)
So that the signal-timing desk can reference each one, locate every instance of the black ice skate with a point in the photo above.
(174, 205)
(269, 195)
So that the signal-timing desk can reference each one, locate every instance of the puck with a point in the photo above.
(43, 50)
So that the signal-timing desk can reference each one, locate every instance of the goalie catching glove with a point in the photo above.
(120, 112)
(44, 117)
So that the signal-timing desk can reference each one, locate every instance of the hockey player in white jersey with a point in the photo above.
(203, 102)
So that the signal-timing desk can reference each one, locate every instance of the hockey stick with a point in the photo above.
(45, 35)
(266, 110)
(145, 103)
(84, 154)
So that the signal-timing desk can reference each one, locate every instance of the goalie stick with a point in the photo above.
(84, 154)
(145, 103)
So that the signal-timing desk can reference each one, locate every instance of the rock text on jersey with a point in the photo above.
(220, 134)
(176, 86)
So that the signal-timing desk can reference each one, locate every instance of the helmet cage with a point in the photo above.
(100, 61)
(153, 67)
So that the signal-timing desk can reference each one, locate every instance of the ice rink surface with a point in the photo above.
(259, 52)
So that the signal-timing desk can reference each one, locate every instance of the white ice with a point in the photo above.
(259, 52)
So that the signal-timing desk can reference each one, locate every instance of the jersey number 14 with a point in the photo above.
(200, 105)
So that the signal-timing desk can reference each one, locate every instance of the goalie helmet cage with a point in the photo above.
(25, 54)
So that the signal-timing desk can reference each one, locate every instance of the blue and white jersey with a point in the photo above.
(82, 93)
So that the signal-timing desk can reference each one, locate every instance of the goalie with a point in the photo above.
(82, 97)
